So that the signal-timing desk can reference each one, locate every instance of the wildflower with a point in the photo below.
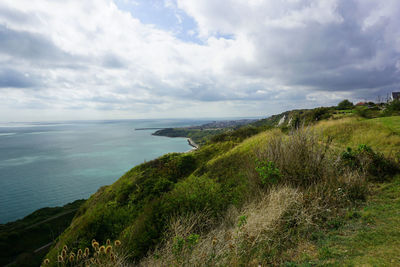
(79, 252)
(117, 243)
(112, 257)
(87, 251)
(46, 261)
(64, 253)
(102, 249)
(108, 242)
(108, 249)
(65, 248)
(71, 258)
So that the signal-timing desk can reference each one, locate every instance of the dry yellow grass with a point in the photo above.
(241, 231)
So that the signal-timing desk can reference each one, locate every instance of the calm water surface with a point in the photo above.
(51, 164)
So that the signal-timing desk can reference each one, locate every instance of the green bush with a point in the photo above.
(269, 173)
(392, 108)
(373, 164)
(345, 104)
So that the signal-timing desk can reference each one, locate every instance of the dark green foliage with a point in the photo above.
(24, 236)
(238, 135)
(191, 195)
(269, 173)
(345, 104)
(199, 136)
(392, 108)
(364, 159)
(365, 112)
(321, 113)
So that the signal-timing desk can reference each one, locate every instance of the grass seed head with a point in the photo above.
(95, 245)
(60, 258)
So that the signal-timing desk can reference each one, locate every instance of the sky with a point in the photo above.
(136, 59)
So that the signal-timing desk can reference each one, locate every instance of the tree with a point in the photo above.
(345, 104)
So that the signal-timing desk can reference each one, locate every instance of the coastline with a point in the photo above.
(192, 144)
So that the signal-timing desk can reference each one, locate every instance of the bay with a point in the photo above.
(51, 164)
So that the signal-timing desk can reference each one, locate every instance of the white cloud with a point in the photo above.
(255, 57)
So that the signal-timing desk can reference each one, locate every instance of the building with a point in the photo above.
(395, 96)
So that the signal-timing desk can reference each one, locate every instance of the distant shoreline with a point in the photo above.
(192, 144)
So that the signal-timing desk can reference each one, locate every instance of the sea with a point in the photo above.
(52, 164)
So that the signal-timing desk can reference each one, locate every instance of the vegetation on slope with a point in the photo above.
(366, 236)
(20, 240)
(246, 197)
(222, 183)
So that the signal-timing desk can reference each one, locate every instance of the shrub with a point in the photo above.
(345, 104)
(268, 172)
(374, 165)
(299, 159)
(364, 112)
(393, 108)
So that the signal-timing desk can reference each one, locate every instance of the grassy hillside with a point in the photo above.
(258, 195)
(25, 242)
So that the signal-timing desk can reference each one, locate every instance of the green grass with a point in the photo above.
(393, 123)
(370, 235)
(379, 133)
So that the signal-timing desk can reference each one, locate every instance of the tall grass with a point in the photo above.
(279, 218)
(300, 156)
(246, 236)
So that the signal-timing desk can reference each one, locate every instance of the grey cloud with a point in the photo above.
(17, 16)
(15, 79)
(335, 56)
(27, 45)
(114, 62)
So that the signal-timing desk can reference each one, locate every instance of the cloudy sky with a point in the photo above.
(104, 59)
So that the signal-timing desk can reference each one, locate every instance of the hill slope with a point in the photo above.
(247, 197)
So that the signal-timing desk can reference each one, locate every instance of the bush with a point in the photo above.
(237, 135)
(364, 112)
(268, 172)
(374, 165)
(345, 104)
(299, 159)
(393, 108)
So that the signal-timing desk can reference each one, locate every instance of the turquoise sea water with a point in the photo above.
(51, 164)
